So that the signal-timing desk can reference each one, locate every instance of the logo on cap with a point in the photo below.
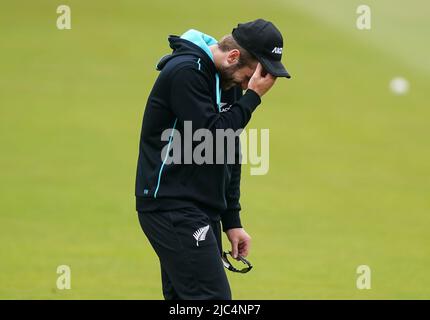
(277, 50)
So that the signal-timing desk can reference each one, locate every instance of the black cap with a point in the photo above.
(264, 41)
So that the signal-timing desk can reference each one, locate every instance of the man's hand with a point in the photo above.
(261, 81)
(240, 242)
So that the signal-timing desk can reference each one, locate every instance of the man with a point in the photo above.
(180, 205)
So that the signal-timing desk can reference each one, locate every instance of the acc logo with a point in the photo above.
(277, 50)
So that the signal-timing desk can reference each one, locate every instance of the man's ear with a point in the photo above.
(233, 56)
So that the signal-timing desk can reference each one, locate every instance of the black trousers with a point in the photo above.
(188, 245)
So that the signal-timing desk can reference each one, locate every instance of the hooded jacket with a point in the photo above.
(188, 89)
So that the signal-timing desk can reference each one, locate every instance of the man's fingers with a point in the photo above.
(259, 69)
(269, 77)
(234, 249)
(259, 72)
(243, 252)
(240, 242)
(244, 248)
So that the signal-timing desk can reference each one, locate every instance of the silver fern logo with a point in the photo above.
(200, 234)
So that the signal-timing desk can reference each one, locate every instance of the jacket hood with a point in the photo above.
(195, 43)
(192, 42)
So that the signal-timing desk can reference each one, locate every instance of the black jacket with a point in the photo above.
(186, 91)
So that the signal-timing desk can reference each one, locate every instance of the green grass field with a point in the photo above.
(349, 179)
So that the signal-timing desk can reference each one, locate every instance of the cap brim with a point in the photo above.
(275, 68)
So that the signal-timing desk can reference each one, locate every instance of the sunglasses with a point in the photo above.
(229, 265)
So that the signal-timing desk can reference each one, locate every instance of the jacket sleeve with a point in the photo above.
(230, 218)
(191, 100)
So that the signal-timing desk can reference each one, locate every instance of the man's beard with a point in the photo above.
(227, 78)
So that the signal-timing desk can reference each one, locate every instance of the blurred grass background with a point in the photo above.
(349, 161)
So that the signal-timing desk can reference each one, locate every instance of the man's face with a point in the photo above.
(231, 75)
